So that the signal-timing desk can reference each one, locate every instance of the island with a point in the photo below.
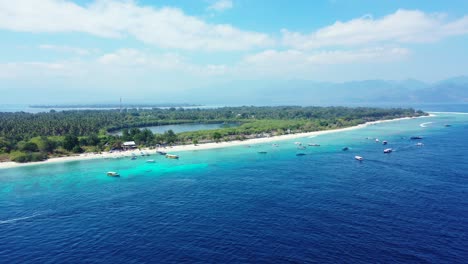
(27, 137)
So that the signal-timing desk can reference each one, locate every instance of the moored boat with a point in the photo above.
(113, 174)
(161, 152)
(300, 154)
(314, 145)
(359, 158)
(172, 156)
(345, 149)
(419, 144)
(150, 161)
(384, 142)
(389, 150)
(262, 152)
(415, 137)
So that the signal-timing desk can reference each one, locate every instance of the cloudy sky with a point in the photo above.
(94, 49)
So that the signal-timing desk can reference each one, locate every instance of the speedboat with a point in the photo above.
(377, 140)
(345, 149)
(113, 174)
(419, 144)
(389, 150)
(359, 158)
(384, 142)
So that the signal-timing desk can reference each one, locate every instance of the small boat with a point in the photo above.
(314, 145)
(298, 143)
(448, 125)
(113, 174)
(389, 150)
(262, 152)
(300, 154)
(419, 144)
(133, 158)
(384, 142)
(150, 161)
(359, 158)
(345, 149)
(416, 137)
(275, 145)
(301, 147)
(161, 152)
(377, 140)
(172, 156)
(142, 154)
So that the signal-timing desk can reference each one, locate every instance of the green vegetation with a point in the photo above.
(28, 137)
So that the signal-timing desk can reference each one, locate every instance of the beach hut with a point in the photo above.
(129, 145)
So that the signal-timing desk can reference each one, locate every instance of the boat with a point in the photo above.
(150, 161)
(134, 158)
(345, 149)
(359, 158)
(161, 152)
(300, 154)
(415, 137)
(275, 145)
(262, 152)
(384, 142)
(142, 154)
(377, 140)
(448, 125)
(301, 147)
(113, 174)
(419, 144)
(389, 150)
(314, 145)
(298, 143)
(172, 156)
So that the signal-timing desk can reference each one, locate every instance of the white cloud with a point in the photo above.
(164, 27)
(221, 5)
(67, 49)
(288, 57)
(403, 26)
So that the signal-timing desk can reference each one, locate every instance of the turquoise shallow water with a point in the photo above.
(235, 205)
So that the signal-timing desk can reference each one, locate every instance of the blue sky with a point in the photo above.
(89, 50)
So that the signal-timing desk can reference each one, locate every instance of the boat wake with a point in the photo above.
(14, 220)
(425, 124)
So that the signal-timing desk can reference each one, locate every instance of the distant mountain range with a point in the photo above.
(303, 92)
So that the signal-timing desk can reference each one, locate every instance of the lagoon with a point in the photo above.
(179, 128)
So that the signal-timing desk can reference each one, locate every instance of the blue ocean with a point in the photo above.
(234, 205)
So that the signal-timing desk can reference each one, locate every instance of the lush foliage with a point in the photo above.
(29, 137)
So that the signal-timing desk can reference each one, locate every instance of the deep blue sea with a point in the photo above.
(234, 205)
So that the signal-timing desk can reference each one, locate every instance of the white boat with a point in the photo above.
(172, 156)
(150, 161)
(298, 143)
(113, 174)
(419, 144)
(389, 150)
(377, 140)
(314, 145)
(359, 158)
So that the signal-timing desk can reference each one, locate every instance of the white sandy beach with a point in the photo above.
(191, 147)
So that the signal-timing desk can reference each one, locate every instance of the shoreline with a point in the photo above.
(191, 147)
